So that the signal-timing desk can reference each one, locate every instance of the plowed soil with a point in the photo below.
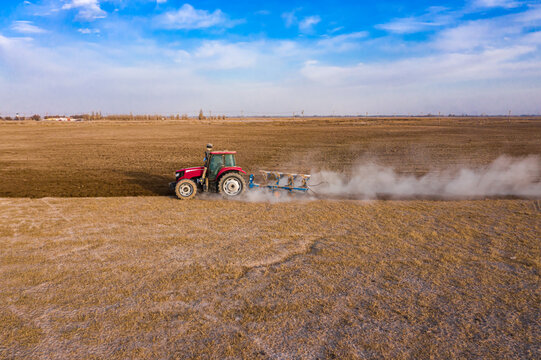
(41, 159)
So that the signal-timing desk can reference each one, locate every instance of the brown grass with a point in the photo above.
(154, 277)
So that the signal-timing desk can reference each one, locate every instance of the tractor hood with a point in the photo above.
(189, 173)
(191, 169)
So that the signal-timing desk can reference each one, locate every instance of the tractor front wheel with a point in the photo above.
(231, 185)
(185, 189)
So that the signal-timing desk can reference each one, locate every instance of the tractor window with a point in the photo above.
(229, 160)
(216, 163)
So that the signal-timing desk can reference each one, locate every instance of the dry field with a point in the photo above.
(153, 277)
(88, 271)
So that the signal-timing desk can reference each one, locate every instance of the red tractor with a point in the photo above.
(219, 173)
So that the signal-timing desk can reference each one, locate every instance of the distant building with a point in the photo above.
(62, 118)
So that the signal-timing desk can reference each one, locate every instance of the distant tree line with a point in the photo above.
(98, 116)
(35, 117)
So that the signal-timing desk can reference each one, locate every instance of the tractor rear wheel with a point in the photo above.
(185, 189)
(231, 185)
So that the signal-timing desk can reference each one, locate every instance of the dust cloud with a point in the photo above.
(505, 176)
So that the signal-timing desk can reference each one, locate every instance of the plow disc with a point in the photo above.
(275, 180)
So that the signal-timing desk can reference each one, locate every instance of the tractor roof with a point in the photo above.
(222, 152)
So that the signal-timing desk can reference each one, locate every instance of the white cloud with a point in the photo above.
(407, 25)
(343, 42)
(161, 1)
(439, 69)
(287, 48)
(450, 83)
(532, 16)
(26, 27)
(465, 37)
(434, 18)
(5, 43)
(479, 66)
(218, 55)
(87, 9)
(187, 17)
(307, 24)
(289, 18)
(495, 32)
(268, 58)
(88, 31)
(507, 4)
(495, 49)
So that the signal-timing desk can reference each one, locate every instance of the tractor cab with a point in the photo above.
(218, 160)
(215, 161)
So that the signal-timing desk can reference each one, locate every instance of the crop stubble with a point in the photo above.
(153, 277)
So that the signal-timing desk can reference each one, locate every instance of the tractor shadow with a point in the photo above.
(151, 184)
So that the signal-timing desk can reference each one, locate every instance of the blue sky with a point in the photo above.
(272, 57)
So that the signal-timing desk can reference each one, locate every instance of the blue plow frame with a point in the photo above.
(272, 180)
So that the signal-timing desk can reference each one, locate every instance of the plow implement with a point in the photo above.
(274, 180)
